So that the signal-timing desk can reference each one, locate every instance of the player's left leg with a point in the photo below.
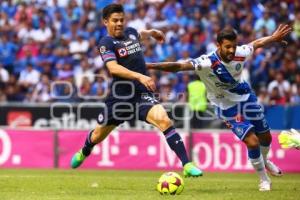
(94, 137)
(265, 140)
(255, 114)
(158, 117)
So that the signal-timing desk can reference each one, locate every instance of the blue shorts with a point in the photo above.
(116, 111)
(244, 117)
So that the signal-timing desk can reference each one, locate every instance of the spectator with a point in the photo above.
(279, 88)
(29, 77)
(266, 22)
(41, 92)
(167, 94)
(276, 98)
(43, 34)
(83, 71)
(4, 75)
(8, 51)
(295, 99)
(79, 46)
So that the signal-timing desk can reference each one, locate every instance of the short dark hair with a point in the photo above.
(228, 34)
(110, 9)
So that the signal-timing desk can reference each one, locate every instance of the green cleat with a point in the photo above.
(77, 159)
(190, 170)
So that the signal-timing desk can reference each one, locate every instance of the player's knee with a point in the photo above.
(251, 141)
(165, 122)
(265, 138)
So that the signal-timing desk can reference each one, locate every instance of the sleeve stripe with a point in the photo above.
(215, 64)
(239, 58)
(108, 59)
(107, 56)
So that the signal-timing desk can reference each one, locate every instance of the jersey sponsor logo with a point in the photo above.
(149, 98)
(122, 52)
(127, 43)
(219, 70)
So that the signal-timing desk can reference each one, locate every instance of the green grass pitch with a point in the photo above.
(20, 184)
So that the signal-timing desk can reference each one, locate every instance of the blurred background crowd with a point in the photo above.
(48, 48)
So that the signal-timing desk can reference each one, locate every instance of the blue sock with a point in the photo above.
(176, 144)
(88, 145)
(254, 153)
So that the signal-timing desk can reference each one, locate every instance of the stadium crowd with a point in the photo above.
(48, 48)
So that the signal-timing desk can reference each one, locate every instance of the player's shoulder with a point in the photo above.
(131, 31)
(106, 39)
(201, 62)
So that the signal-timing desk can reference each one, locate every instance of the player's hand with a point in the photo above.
(241, 88)
(147, 82)
(281, 32)
(158, 35)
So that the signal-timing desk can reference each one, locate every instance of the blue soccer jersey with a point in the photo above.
(126, 51)
(128, 99)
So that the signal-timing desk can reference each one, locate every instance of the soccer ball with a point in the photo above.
(170, 183)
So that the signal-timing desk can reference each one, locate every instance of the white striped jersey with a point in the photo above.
(219, 77)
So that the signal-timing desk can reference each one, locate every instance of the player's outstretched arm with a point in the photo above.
(277, 36)
(156, 34)
(118, 70)
(171, 66)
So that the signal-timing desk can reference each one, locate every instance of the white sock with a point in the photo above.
(264, 152)
(259, 165)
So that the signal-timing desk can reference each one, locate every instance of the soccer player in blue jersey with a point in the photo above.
(131, 89)
(233, 98)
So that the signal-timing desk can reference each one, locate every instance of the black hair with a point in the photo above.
(228, 34)
(110, 9)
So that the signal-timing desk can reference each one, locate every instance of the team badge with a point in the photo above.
(131, 36)
(122, 52)
(238, 67)
(102, 49)
(239, 130)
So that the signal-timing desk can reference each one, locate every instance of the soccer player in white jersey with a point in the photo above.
(233, 98)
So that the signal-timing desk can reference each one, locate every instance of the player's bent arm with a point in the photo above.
(171, 66)
(277, 36)
(118, 70)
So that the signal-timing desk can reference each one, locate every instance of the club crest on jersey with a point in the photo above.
(122, 52)
(239, 130)
(238, 67)
(131, 36)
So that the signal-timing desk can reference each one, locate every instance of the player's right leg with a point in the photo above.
(158, 117)
(263, 133)
(245, 131)
(94, 137)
